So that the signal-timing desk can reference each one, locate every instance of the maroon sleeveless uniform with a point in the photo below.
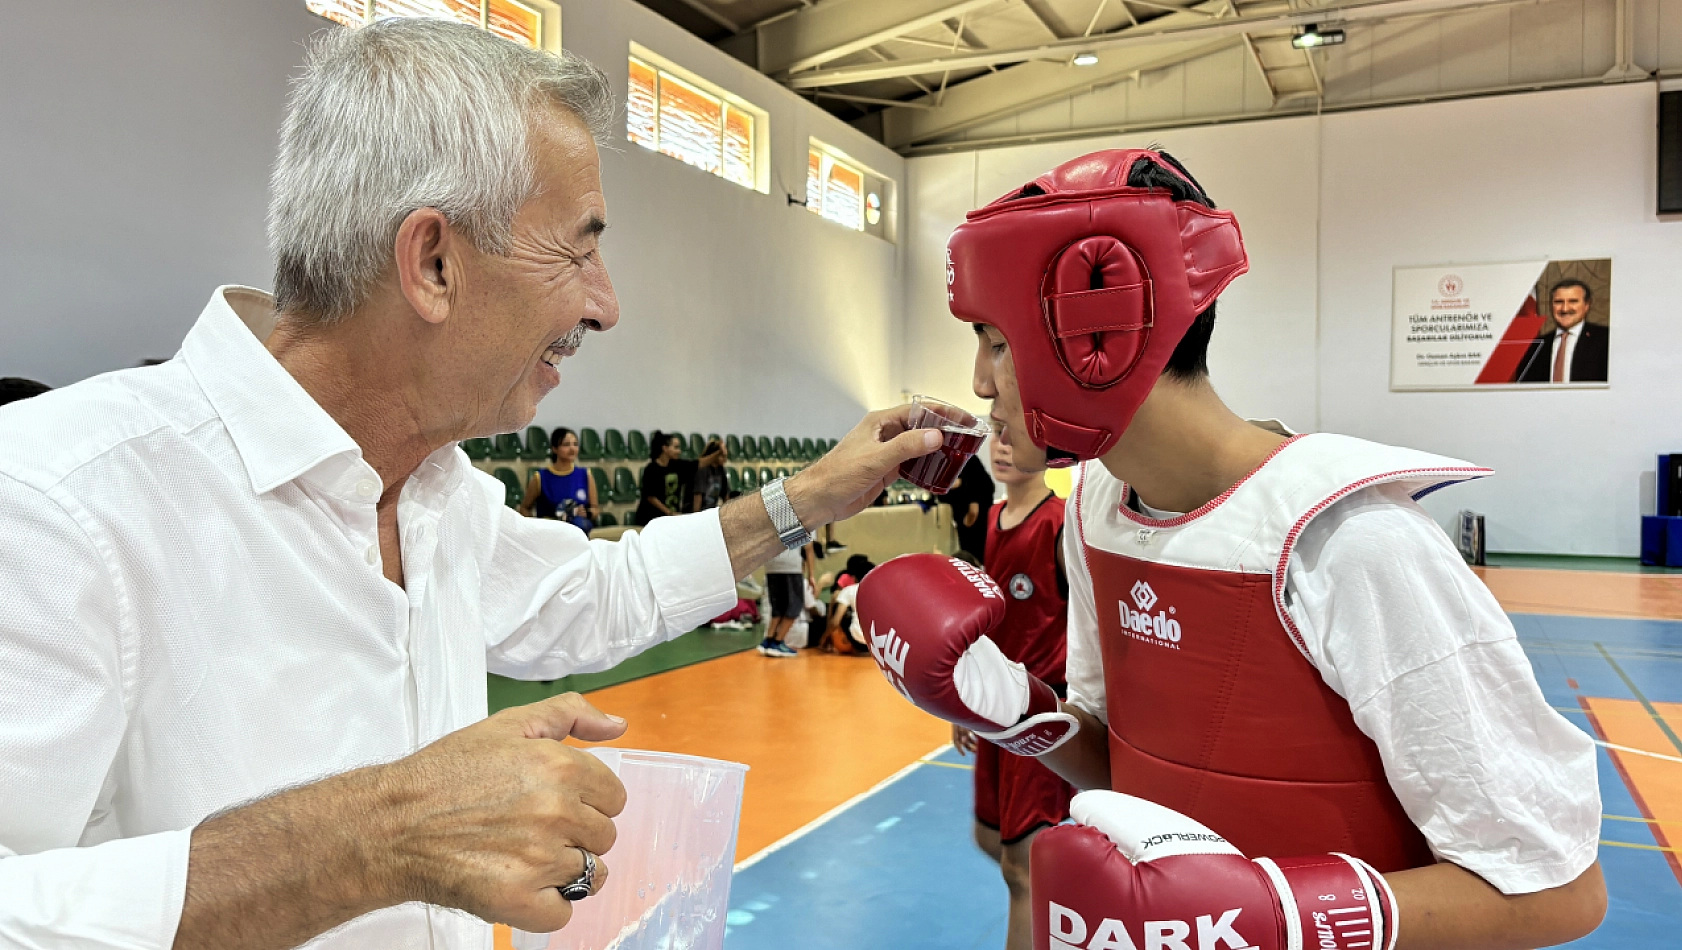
(1016, 795)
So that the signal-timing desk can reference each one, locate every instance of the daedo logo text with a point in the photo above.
(1159, 628)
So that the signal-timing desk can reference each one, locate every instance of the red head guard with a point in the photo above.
(1093, 282)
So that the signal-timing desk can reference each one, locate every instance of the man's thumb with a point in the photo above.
(911, 444)
(569, 715)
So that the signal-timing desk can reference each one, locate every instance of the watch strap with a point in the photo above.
(783, 519)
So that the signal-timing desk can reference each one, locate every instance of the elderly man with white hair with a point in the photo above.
(248, 598)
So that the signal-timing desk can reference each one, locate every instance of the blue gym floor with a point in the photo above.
(896, 869)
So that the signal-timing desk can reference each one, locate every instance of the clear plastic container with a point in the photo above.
(668, 886)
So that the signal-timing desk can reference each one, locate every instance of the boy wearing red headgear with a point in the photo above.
(1273, 651)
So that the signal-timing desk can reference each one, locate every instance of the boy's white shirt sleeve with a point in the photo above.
(1496, 779)
(1084, 666)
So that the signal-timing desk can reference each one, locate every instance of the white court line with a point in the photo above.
(815, 823)
(1650, 755)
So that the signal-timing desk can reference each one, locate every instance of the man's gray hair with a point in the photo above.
(405, 114)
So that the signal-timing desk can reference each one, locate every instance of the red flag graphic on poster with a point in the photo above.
(1503, 361)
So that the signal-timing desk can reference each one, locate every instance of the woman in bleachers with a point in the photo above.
(665, 480)
(563, 489)
(712, 485)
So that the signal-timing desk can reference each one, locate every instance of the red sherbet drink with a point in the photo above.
(964, 434)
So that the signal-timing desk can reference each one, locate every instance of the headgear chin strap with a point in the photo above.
(1093, 283)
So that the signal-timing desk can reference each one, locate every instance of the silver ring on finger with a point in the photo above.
(586, 883)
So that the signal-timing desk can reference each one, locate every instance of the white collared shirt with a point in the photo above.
(1566, 337)
(193, 614)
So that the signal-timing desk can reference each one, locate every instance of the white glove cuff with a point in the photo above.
(991, 685)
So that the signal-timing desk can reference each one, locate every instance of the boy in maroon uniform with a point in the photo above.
(1016, 796)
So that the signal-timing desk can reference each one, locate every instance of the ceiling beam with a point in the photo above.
(713, 15)
(990, 98)
(829, 31)
(1151, 33)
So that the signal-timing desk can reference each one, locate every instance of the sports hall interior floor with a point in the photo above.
(856, 819)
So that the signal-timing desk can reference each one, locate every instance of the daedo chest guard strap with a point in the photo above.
(1093, 281)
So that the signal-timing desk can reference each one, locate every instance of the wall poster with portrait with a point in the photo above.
(1517, 325)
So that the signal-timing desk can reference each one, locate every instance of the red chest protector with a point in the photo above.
(1023, 561)
(1214, 708)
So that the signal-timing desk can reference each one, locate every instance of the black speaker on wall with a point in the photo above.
(1670, 152)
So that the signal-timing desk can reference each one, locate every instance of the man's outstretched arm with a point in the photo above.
(834, 488)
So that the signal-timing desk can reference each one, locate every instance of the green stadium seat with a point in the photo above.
(636, 446)
(536, 448)
(733, 478)
(613, 444)
(750, 449)
(589, 445)
(604, 486)
(783, 472)
(765, 449)
(477, 448)
(766, 476)
(750, 480)
(733, 445)
(512, 492)
(697, 445)
(607, 520)
(506, 446)
(779, 448)
(810, 450)
(625, 489)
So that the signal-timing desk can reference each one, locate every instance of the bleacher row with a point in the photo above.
(616, 460)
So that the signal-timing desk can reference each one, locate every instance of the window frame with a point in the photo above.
(760, 145)
(548, 14)
(873, 182)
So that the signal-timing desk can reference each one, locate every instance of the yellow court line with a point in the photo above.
(1646, 821)
(1640, 847)
(948, 765)
(1607, 714)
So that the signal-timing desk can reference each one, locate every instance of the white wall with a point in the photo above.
(739, 311)
(1563, 175)
(1328, 206)
(136, 142)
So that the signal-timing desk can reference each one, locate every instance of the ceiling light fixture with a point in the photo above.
(1086, 58)
(1312, 37)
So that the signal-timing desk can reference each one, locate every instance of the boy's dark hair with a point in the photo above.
(1190, 359)
(14, 388)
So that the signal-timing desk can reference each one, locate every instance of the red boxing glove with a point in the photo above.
(1133, 875)
(926, 618)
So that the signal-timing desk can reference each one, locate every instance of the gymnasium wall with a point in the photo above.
(1328, 206)
(136, 148)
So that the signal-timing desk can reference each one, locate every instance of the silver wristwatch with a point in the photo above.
(783, 519)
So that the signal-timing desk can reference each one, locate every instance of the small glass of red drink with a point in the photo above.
(964, 434)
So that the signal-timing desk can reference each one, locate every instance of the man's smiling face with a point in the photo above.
(521, 313)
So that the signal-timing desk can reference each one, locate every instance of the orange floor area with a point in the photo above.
(816, 730)
(1655, 783)
(1586, 593)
